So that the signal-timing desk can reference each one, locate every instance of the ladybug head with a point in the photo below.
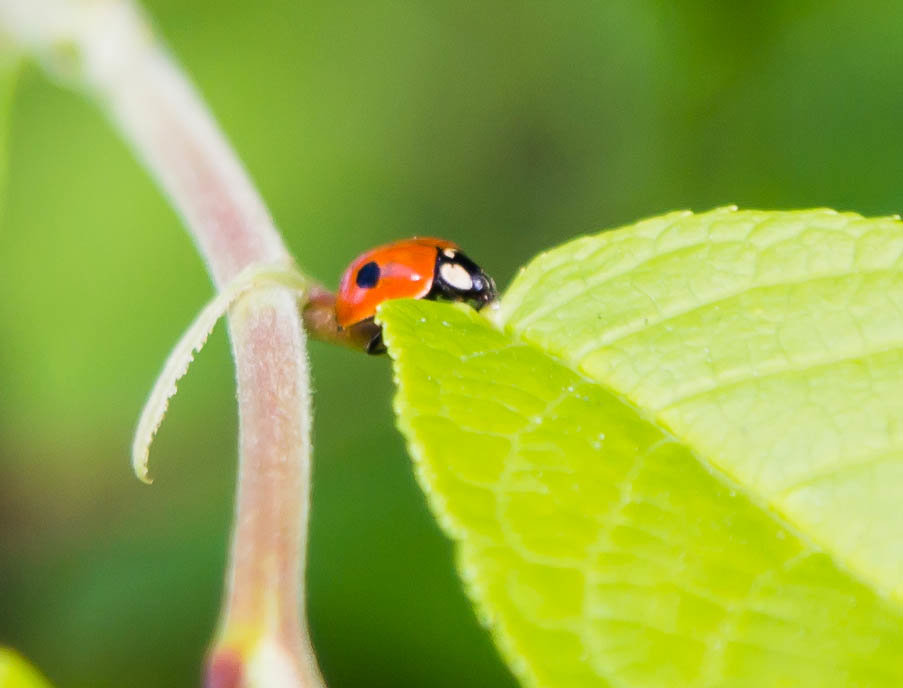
(458, 278)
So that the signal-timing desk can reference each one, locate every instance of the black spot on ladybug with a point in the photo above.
(368, 275)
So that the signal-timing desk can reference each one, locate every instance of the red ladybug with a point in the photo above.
(419, 268)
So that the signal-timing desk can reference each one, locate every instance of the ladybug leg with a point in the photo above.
(376, 345)
(367, 335)
(320, 321)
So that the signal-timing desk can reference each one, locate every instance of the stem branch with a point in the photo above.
(107, 47)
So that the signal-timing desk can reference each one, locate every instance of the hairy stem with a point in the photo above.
(107, 47)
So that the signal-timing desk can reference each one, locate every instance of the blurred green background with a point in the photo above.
(507, 127)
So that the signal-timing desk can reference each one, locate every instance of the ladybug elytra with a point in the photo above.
(419, 268)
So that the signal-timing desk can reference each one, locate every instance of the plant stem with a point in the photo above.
(106, 46)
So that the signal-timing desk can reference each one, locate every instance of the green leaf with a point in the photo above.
(15, 672)
(674, 456)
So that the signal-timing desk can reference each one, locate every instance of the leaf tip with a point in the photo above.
(17, 672)
(141, 458)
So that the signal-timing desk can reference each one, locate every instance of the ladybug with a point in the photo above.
(418, 268)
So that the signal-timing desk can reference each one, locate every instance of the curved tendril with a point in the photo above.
(192, 341)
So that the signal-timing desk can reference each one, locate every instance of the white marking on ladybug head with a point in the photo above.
(449, 252)
(456, 276)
